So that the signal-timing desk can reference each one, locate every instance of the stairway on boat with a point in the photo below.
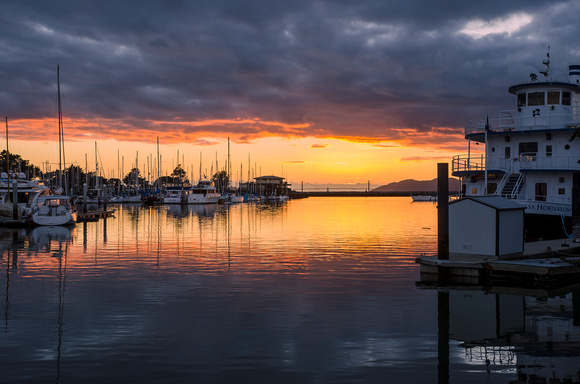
(509, 190)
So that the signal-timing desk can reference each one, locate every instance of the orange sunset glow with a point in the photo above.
(289, 152)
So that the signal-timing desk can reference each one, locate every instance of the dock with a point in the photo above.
(541, 260)
(81, 216)
(94, 215)
(16, 223)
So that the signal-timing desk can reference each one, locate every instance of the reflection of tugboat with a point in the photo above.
(525, 334)
(530, 152)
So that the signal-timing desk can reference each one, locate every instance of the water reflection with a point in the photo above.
(510, 334)
(42, 241)
(318, 290)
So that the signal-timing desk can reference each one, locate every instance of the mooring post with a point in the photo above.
(15, 199)
(443, 211)
(105, 191)
(85, 191)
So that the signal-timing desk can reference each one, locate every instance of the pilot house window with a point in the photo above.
(553, 97)
(536, 98)
(565, 98)
(522, 100)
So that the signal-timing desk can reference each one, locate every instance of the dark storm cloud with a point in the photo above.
(343, 68)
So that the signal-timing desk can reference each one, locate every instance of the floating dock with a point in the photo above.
(13, 223)
(81, 216)
(554, 259)
(94, 215)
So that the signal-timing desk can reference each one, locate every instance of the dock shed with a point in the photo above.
(486, 226)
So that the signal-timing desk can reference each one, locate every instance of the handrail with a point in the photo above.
(520, 181)
(505, 178)
(462, 163)
(532, 162)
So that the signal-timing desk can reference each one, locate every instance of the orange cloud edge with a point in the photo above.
(214, 131)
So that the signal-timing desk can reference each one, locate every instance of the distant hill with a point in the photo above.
(410, 185)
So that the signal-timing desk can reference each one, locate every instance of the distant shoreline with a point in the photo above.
(300, 195)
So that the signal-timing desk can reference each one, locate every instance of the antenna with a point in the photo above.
(546, 62)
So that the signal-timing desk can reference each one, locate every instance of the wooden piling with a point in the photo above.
(443, 211)
(15, 199)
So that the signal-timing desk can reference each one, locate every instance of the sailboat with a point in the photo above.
(57, 209)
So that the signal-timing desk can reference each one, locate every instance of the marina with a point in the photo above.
(245, 192)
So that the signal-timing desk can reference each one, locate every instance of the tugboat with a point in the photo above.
(532, 153)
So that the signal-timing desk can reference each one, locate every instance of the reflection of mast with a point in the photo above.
(61, 290)
(7, 306)
(229, 229)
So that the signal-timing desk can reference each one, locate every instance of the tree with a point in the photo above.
(17, 163)
(134, 178)
(221, 180)
(178, 172)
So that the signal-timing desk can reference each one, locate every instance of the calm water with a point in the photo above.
(318, 290)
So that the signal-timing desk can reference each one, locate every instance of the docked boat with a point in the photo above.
(177, 193)
(55, 210)
(532, 152)
(29, 191)
(233, 198)
(203, 193)
(424, 198)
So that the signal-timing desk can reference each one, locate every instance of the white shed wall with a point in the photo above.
(511, 229)
(472, 228)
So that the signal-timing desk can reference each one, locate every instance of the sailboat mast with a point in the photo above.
(96, 168)
(158, 164)
(7, 153)
(59, 127)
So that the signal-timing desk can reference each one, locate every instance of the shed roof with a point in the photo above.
(496, 202)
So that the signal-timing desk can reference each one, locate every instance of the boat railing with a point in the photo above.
(464, 163)
(477, 163)
(506, 121)
(514, 121)
(531, 197)
(533, 162)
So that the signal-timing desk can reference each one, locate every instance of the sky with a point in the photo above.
(314, 91)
